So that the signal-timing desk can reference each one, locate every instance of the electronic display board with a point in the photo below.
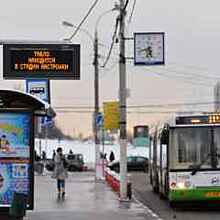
(199, 119)
(52, 61)
(15, 157)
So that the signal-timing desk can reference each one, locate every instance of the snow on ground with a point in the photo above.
(87, 149)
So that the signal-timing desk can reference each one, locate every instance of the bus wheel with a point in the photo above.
(155, 189)
(172, 204)
(161, 195)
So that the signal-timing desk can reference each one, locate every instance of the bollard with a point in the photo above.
(129, 190)
(18, 206)
(115, 184)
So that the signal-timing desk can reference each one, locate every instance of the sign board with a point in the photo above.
(39, 88)
(99, 119)
(16, 162)
(141, 136)
(52, 61)
(111, 115)
(47, 121)
(149, 49)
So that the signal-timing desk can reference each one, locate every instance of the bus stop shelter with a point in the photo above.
(18, 111)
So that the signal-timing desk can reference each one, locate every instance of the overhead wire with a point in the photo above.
(84, 19)
(190, 79)
(139, 112)
(144, 105)
(112, 43)
(199, 76)
(191, 66)
(183, 80)
(163, 72)
(114, 35)
(125, 6)
(132, 11)
(187, 77)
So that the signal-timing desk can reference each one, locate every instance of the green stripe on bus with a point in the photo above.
(196, 194)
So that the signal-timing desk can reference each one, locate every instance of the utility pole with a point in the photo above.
(96, 89)
(122, 100)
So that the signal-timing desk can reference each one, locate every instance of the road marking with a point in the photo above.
(147, 209)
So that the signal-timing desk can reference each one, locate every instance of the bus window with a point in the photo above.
(190, 147)
(164, 156)
(217, 144)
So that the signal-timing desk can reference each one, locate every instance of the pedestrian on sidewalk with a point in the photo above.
(54, 154)
(60, 172)
(44, 156)
(111, 157)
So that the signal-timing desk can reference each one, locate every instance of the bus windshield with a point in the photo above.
(193, 146)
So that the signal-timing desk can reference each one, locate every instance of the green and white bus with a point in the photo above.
(185, 160)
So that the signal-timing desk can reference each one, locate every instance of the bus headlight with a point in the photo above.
(181, 185)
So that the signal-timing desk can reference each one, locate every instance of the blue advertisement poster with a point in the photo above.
(15, 131)
(13, 178)
(14, 135)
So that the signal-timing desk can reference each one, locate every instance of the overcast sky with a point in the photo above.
(192, 34)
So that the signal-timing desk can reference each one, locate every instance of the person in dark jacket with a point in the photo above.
(112, 156)
(44, 156)
(54, 154)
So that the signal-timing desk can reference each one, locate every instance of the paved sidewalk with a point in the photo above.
(85, 200)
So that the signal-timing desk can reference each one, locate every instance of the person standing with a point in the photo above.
(44, 156)
(60, 172)
(54, 154)
(112, 156)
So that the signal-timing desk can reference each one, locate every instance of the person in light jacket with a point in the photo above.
(60, 172)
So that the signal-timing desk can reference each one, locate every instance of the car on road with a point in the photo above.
(134, 163)
(75, 162)
(49, 165)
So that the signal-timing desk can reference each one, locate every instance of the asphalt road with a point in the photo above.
(142, 191)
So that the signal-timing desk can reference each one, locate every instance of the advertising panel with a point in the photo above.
(13, 178)
(15, 156)
(111, 115)
(52, 61)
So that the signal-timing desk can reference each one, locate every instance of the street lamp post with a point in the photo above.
(96, 83)
(96, 112)
(123, 119)
(96, 89)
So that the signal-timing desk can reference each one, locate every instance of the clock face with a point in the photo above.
(149, 48)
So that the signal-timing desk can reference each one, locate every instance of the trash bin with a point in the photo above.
(19, 205)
